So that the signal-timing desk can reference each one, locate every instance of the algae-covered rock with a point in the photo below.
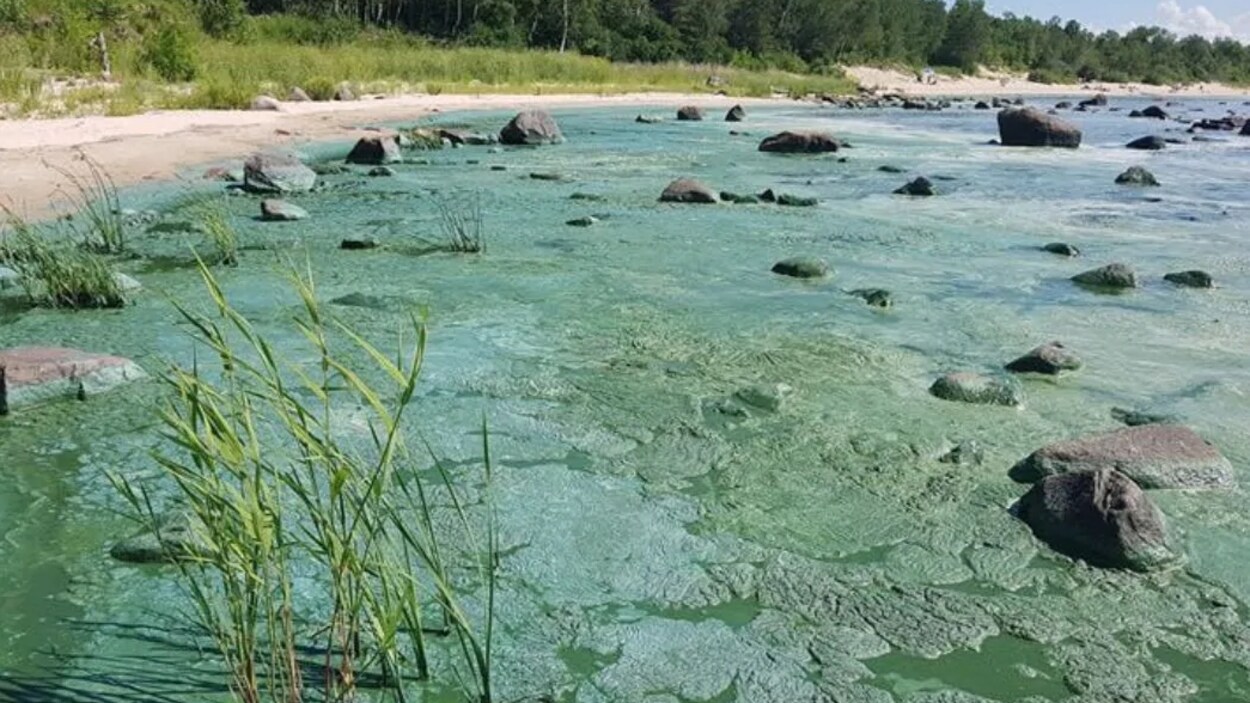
(876, 297)
(9, 278)
(277, 173)
(274, 210)
(359, 243)
(802, 267)
(33, 375)
(126, 283)
(1062, 249)
(531, 128)
(381, 172)
(376, 150)
(921, 187)
(788, 200)
(737, 198)
(1152, 455)
(1191, 279)
(764, 396)
(1100, 516)
(1148, 143)
(1137, 176)
(176, 537)
(688, 190)
(1051, 359)
(1136, 418)
(977, 388)
(362, 300)
(1110, 277)
(587, 221)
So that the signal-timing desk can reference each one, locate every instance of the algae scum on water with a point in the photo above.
(712, 482)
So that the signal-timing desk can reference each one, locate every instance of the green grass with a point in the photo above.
(56, 273)
(229, 74)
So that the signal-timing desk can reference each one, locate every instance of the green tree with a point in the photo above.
(967, 35)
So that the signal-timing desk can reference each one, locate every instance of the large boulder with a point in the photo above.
(1111, 276)
(1155, 456)
(277, 173)
(1027, 126)
(1099, 516)
(801, 143)
(274, 210)
(531, 128)
(690, 113)
(688, 190)
(32, 375)
(1051, 359)
(1149, 143)
(976, 388)
(376, 149)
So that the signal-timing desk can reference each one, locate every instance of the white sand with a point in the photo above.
(157, 145)
(991, 84)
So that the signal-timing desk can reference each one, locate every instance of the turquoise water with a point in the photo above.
(664, 542)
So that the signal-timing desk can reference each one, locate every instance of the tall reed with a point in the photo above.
(272, 476)
(54, 273)
(97, 218)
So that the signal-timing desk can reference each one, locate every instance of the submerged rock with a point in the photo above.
(788, 200)
(1051, 359)
(977, 388)
(876, 297)
(920, 187)
(176, 537)
(9, 278)
(277, 173)
(1101, 517)
(1191, 279)
(361, 300)
(738, 199)
(588, 197)
(690, 113)
(688, 190)
(802, 267)
(1136, 418)
(1148, 143)
(127, 284)
(375, 150)
(1111, 276)
(736, 114)
(539, 176)
(1136, 176)
(587, 221)
(966, 453)
(764, 396)
(648, 119)
(1062, 249)
(274, 210)
(359, 243)
(531, 128)
(1027, 126)
(801, 143)
(891, 169)
(1153, 455)
(381, 172)
(32, 375)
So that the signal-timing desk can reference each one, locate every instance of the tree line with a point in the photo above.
(798, 35)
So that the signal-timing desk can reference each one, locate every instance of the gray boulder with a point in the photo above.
(921, 187)
(1191, 279)
(531, 128)
(298, 96)
(1062, 249)
(344, 93)
(1111, 276)
(1153, 455)
(1101, 517)
(690, 113)
(688, 190)
(1051, 359)
(274, 210)
(736, 114)
(1027, 126)
(277, 173)
(376, 150)
(802, 267)
(262, 103)
(1137, 176)
(1150, 143)
(977, 388)
(801, 143)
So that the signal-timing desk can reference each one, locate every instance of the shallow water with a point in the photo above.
(663, 541)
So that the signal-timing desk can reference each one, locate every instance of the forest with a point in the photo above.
(799, 36)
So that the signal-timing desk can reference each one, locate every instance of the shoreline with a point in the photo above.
(160, 146)
(991, 84)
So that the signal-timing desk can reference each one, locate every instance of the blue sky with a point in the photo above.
(1207, 17)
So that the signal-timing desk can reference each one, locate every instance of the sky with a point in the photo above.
(1210, 18)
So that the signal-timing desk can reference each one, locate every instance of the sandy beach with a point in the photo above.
(991, 84)
(159, 145)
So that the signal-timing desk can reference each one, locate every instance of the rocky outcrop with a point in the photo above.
(1101, 517)
(1154, 456)
(802, 267)
(976, 388)
(1148, 143)
(1111, 276)
(277, 173)
(33, 375)
(1191, 279)
(1029, 126)
(690, 113)
(531, 128)
(688, 190)
(375, 150)
(1137, 176)
(274, 210)
(801, 143)
(1051, 359)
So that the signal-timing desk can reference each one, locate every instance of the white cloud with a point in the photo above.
(1199, 20)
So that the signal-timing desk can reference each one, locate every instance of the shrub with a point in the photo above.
(222, 18)
(171, 54)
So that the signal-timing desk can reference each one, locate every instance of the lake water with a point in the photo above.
(663, 541)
